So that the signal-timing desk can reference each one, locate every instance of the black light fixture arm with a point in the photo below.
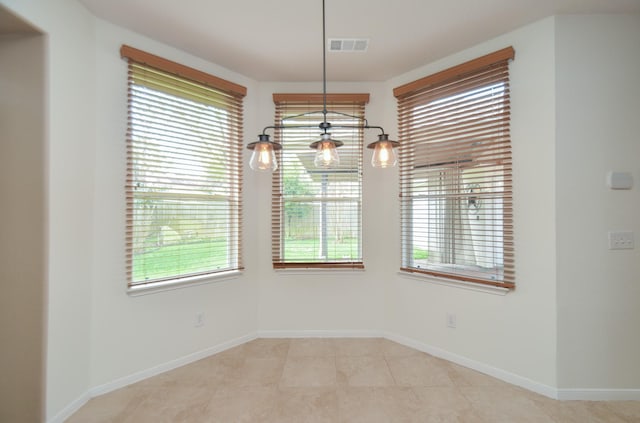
(323, 126)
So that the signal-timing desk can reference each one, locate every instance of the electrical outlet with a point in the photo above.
(621, 241)
(452, 321)
(199, 322)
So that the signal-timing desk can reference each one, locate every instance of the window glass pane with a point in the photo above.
(456, 168)
(319, 209)
(458, 222)
(175, 237)
(183, 184)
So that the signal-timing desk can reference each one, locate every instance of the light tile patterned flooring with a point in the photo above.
(335, 380)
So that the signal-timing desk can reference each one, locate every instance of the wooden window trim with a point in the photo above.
(324, 265)
(169, 66)
(507, 53)
(458, 277)
(318, 98)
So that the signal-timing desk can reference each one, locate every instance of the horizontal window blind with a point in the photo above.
(456, 173)
(316, 213)
(184, 173)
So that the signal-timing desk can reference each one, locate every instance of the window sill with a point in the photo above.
(317, 271)
(155, 288)
(469, 286)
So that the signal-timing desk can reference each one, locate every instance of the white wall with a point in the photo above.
(134, 334)
(598, 115)
(515, 333)
(70, 108)
(22, 227)
(327, 301)
(97, 334)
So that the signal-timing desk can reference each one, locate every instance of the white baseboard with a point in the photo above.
(514, 379)
(599, 394)
(71, 408)
(165, 367)
(319, 334)
(145, 374)
(523, 382)
(503, 375)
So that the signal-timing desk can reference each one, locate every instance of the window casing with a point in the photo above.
(456, 173)
(184, 173)
(317, 213)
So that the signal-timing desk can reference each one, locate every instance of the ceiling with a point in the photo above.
(281, 40)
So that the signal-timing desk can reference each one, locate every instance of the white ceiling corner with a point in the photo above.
(281, 40)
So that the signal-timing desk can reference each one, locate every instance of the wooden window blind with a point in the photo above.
(184, 172)
(456, 173)
(316, 213)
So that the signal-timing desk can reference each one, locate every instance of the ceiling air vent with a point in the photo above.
(348, 44)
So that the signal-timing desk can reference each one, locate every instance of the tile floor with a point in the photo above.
(335, 380)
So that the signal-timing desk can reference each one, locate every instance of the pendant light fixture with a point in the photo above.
(263, 157)
(384, 154)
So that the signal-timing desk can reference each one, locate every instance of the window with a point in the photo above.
(455, 173)
(317, 212)
(184, 172)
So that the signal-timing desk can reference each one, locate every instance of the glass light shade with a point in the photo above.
(326, 155)
(384, 155)
(263, 157)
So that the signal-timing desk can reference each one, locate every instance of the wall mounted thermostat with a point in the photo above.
(619, 180)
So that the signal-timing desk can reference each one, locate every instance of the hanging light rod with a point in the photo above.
(264, 156)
